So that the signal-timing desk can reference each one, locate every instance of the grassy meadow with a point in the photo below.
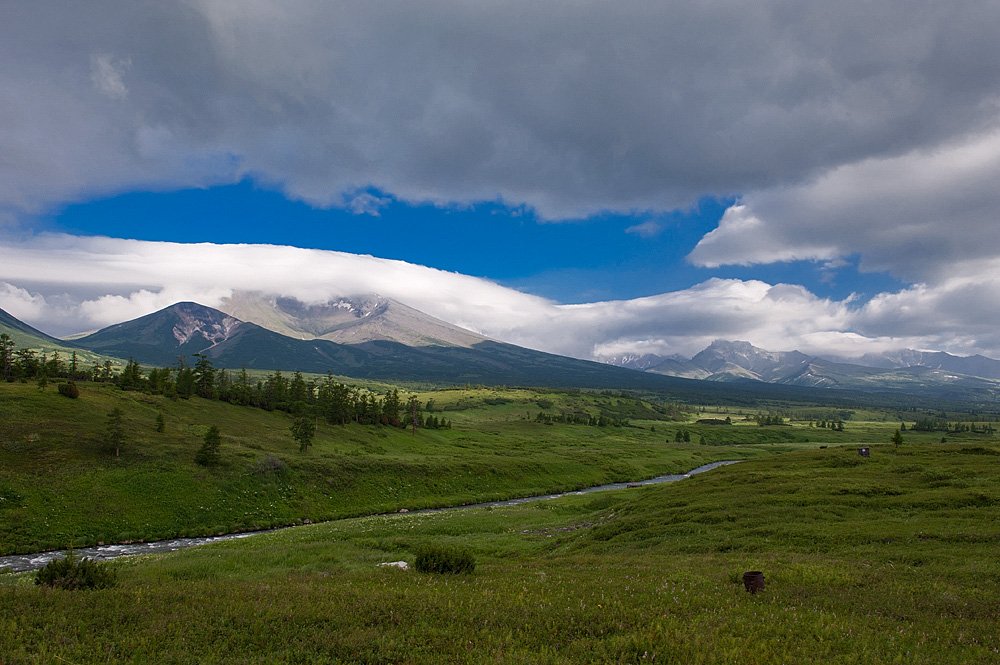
(61, 486)
(890, 559)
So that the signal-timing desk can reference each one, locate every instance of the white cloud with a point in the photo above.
(365, 203)
(920, 215)
(139, 277)
(647, 229)
(83, 283)
(21, 304)
(109, 309)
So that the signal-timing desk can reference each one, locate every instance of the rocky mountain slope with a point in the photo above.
(185, 329)
(352, 320)
(730, 361)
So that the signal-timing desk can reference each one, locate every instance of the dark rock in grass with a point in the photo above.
(753, 581)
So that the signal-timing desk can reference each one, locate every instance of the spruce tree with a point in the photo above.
(208, 454)
(6, 357)
(114, 433)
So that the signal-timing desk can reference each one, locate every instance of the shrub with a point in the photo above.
(69, 390)
(445, 560)
(270, 466)
(73, 573)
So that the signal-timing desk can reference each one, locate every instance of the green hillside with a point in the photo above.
(26, 337)
(60, 484)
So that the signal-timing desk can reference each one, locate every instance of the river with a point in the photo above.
(24, 562)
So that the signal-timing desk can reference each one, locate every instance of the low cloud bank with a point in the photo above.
(64, 284)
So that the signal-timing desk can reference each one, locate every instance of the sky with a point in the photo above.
(593, 179)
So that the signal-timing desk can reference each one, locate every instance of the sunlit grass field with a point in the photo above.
(890, 559)
(61, 486)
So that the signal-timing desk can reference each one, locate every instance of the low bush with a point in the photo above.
(270, 466)
(73, 573)
(69, 390)
(445, 560)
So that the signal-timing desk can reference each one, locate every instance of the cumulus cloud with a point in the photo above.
(83, 283)
(108, 309)
(920, 215)
(572, 111)
(20, 303)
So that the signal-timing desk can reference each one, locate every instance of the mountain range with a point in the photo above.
(435, 352)
(737, 361)
(370, 337)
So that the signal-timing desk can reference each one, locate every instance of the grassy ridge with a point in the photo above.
(886, 560)
(59, 485)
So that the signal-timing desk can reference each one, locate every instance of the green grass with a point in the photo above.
(886, 560)
(60, 486)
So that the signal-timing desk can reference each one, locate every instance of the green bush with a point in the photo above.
(445, 560)
(69, 390)
(73, 573)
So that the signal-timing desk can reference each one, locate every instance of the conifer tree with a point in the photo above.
(6, 357)
(208, 454)
(303, 430)
(114, 433)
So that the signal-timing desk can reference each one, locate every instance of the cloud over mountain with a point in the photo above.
(837, 136)
(92, 282)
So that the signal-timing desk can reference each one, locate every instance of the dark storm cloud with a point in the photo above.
(571, 108)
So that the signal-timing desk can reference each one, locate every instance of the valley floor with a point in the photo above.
(890, 559)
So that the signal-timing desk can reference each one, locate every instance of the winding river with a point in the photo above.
(24, 562)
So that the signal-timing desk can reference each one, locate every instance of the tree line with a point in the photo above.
(30, 365)
(941, 425)
(338, 403)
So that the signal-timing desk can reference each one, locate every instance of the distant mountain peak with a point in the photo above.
(181, 329)
(194, 319)
(357, 319)
(902, 370)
